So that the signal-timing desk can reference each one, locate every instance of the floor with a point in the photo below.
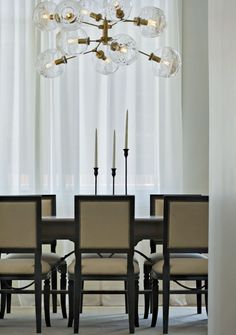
(105, 321)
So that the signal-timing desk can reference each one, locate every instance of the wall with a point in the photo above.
(195, 96)
(222, 79)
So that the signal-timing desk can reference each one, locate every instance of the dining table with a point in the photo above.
(63, 228)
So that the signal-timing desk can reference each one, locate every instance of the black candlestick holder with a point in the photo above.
(126, 153)
(96, 179)
(113, 173)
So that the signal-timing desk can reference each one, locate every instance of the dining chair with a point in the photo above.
(104, 225)
(185, 232)
(20, 232)
(157, 208)
(48, 207)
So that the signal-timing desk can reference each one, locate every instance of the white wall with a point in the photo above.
(222, 78)
(195, 96)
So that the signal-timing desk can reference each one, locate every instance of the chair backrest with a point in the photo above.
(157, 204)
(20, 218)
(186, 223)
(49, 205)
(104, 223)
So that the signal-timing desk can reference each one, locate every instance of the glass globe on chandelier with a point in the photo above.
(109, 52)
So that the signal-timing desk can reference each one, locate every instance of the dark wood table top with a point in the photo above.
(62, 228)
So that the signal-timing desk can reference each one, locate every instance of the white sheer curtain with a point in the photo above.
(71, 107)
(47, 126)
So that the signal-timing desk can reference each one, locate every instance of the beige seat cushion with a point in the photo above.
(49, 258)
(104, 266)
(159, 256)
(21, 267)
(106, 255)
(184, 266)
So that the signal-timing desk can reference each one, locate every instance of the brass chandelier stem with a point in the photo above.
(105, 27)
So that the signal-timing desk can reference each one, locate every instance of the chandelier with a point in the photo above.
(71, 17)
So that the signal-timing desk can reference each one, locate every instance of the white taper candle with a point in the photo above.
(114, 150)
(126, 130)
(96, 149)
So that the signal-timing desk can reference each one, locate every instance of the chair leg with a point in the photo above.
(47, 302)
(155, 299)
(82, 297)
(9, 283)
(206, 296)
(63, 295)
(131, 303)
(152, 246)
(166, 301)
(3, 301)
(38, 303)
(71, 303)
(147, 286)
(136, 316)
(126, 297)
(199, 297)
(54, 295)
(53, 246)
(77, 303)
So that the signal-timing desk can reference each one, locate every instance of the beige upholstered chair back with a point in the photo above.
(188, 224)
(159, 207)
(49, 205)
(18, 224)
(46, 207)
(104, 223)
(157, 204)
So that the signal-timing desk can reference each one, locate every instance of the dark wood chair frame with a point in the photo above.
(62, 269)
(36, 277)
(153, 198)
(76, 281)
(166, 277)
(147, 267)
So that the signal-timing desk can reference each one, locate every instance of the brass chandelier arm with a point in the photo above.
(70, 57)
(143, 53)
(127, 21)
(152, 56)
(94, 41)
(94, 49)
(90, 51)
(63, 60)
(121, 20)
(138, 21)
(90, 24)
(95, 16)
(84, 41)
